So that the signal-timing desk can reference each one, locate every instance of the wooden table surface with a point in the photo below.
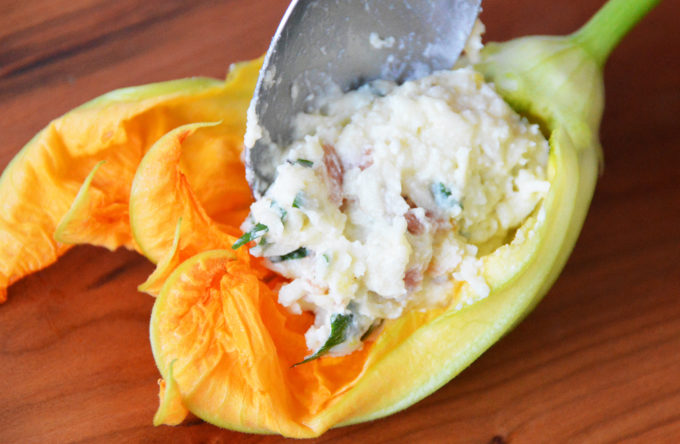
(597, 361)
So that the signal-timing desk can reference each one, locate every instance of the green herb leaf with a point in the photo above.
(299, 200)
(255, 232)
(282, 211)
(340, 324)
(442, 196)
(305, 163)
(295, 254)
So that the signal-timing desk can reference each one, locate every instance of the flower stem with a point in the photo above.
(600, 35)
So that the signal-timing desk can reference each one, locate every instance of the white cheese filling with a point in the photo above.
(389, 196)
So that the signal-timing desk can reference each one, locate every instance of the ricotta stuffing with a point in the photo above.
(390, 195)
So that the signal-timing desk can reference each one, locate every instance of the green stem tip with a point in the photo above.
(600, 35)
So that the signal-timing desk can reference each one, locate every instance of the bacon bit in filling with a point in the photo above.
(408, 201)
(413, 278)
(413, 224)
(334, 173)
(366, 159)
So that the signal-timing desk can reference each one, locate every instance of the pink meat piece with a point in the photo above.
(334, 172)
(413, 278)
(413, 224)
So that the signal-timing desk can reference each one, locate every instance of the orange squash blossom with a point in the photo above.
(157, 169)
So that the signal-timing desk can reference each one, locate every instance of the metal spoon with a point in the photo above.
(322, 45)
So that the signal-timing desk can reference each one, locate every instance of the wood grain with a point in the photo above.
(597, 361)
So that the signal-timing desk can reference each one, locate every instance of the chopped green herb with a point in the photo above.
(305, 163)
(282, 211)
(327, 258)
(443, 197)
(299, 200)
(340, 324)
(255, 232)
(295, 254)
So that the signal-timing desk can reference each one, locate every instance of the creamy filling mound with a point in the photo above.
(390, 196)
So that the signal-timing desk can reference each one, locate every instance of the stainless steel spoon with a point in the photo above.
(321, 45)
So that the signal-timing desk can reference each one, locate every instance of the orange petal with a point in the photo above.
(233, 347)
(94, 218)
(166, 265)
(161, 195)
(40, 184)
(170, 411)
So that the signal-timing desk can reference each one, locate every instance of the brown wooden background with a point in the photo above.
(598, 361)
